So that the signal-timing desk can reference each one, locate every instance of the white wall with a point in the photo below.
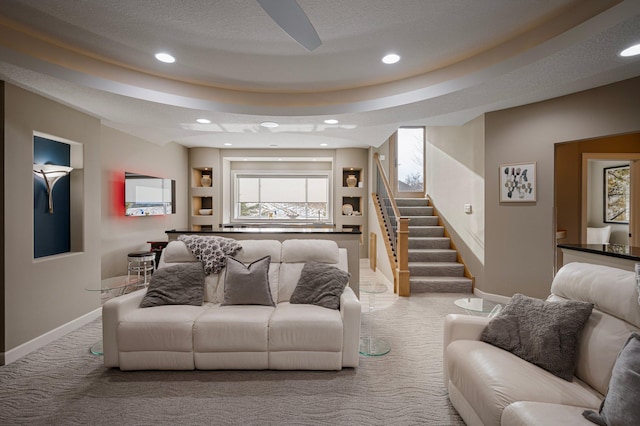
(455, 176)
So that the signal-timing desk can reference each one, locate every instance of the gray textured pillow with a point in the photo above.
(320, 284)
(543, 333)
(247, 285)
(181, 284)
(621, 406)
(212, 251)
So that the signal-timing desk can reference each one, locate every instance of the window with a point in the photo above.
(410, 159)
(282, 197)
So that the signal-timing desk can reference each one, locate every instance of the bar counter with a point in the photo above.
(616, 255)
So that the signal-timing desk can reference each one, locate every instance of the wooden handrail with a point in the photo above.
(401, 284)
(387, 187)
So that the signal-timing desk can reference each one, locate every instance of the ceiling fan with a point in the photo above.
(291, 18)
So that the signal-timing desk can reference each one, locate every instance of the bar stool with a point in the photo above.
(141, 262)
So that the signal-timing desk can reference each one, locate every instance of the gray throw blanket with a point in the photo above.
(211, 251)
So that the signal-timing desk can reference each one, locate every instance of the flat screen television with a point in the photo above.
(148, 195)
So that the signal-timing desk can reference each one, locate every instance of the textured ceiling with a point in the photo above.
(235, 66)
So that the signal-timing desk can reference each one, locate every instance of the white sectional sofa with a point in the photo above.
(490, 386)
(285, 337)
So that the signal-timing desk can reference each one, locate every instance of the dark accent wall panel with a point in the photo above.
(51, 231)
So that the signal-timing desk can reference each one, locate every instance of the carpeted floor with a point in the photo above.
(64, 384)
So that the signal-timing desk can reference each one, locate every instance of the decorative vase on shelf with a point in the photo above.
(352, 181)
(205, 180)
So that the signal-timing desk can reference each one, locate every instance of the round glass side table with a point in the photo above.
(478, 306)
(114, 287)
(371, 345)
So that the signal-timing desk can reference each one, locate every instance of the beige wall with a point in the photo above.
(520, 238)
(455, 177)
(120, 235)
(43, 294)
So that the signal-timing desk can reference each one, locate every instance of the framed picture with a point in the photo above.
(518, 183)
(616, 194)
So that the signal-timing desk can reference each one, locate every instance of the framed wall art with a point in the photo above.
(616, 194)
(518, 183)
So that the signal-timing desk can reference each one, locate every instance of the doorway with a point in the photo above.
(408, 162)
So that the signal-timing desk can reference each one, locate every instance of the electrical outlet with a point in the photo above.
(467, 208)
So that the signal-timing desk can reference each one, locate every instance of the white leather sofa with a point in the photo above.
(490, 386)
(211, 337)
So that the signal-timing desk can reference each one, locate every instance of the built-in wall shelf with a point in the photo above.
(202, 197)
(351, 188)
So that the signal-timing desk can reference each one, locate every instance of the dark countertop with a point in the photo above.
(264, 231)
(613, 250)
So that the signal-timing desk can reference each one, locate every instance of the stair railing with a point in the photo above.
(398, 231)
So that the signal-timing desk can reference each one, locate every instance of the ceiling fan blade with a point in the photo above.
(291, 18)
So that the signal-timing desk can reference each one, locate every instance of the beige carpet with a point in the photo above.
(64, 384)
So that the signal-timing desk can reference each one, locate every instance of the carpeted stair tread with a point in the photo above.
(429, 242)
(426, 231)
(423, 221)
(433, 269)
(410, 202)
(432, 255)
(415, 210)
(440, 285)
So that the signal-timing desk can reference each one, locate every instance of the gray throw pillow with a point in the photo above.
(212, 251)
(621, 406)
(543, 333)
(181, 284)
(247, 285)
(320, 284)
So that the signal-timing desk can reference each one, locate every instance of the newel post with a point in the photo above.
(402, 271)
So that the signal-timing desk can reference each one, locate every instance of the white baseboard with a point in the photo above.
(48, 337)
(492, 297)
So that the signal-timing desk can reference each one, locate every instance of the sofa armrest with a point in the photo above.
(112, 313)
(460, 327)
(350, 312)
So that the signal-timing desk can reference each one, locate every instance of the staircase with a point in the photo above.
(433, 264)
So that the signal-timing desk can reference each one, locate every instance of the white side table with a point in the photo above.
(373, 346)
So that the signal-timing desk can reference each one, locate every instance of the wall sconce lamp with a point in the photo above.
(50, 173)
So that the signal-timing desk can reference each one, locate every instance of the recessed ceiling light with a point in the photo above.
(269, 124)
(203, 120)
(631, 51)
(279, 159)
(331, 121)
(165, 57)
(323, 144)
(227, 144)
(391, 58)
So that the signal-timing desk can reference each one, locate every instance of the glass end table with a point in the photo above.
(478, 306)
(373, 346)
(113, 287)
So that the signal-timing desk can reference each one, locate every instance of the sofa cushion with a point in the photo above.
(320, 284)
(161, 328)
(305, 328)
(620, 406)
(247, 285)
(179, 284)
(210, 250)
(295, 251)
(239, 328)
(541, 332)
(540, 413)
(177, 252)
(611, 290)
(490, 379)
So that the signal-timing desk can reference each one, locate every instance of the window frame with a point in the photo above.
(257, 174)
